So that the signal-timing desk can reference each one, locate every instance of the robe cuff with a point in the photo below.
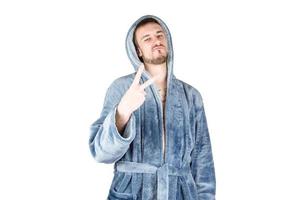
(112, 140)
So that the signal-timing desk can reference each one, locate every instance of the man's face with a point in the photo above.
(152, 43)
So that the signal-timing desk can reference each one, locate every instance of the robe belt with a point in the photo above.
(162, 174)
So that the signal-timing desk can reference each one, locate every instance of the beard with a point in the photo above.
(155, 61)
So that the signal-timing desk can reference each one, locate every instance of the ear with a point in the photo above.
(139, 52)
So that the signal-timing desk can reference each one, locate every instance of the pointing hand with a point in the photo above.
(135, 95)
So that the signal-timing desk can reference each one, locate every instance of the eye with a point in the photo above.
(147, 39)
(160, 36)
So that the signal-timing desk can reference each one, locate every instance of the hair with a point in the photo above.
(142, 23)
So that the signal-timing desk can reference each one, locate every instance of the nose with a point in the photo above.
(157, 41)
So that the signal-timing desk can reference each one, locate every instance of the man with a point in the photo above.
(153, 126)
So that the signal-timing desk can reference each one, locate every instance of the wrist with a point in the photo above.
(122, 113)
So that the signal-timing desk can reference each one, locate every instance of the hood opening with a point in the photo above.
(132, 50)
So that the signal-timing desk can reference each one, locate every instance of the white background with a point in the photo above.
(58, 58)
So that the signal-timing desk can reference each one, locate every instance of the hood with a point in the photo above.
(131, 52)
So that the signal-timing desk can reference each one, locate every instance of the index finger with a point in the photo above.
(138, 74)
(147, 83)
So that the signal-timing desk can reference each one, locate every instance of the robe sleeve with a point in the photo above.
(106, 144)
(202, 164)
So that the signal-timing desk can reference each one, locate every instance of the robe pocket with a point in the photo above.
(113, 195)
(121, 189)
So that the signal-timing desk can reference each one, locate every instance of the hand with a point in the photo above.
(135, 95)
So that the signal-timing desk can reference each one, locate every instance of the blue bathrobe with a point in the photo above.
(141, 169)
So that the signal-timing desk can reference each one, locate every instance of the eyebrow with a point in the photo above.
(149, 34)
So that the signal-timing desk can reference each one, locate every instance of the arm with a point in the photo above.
(121, 120)
(106, 143)
(202, 164)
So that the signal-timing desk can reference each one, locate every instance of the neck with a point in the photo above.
(159, 71)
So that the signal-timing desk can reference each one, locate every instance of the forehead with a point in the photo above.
(149, 28)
